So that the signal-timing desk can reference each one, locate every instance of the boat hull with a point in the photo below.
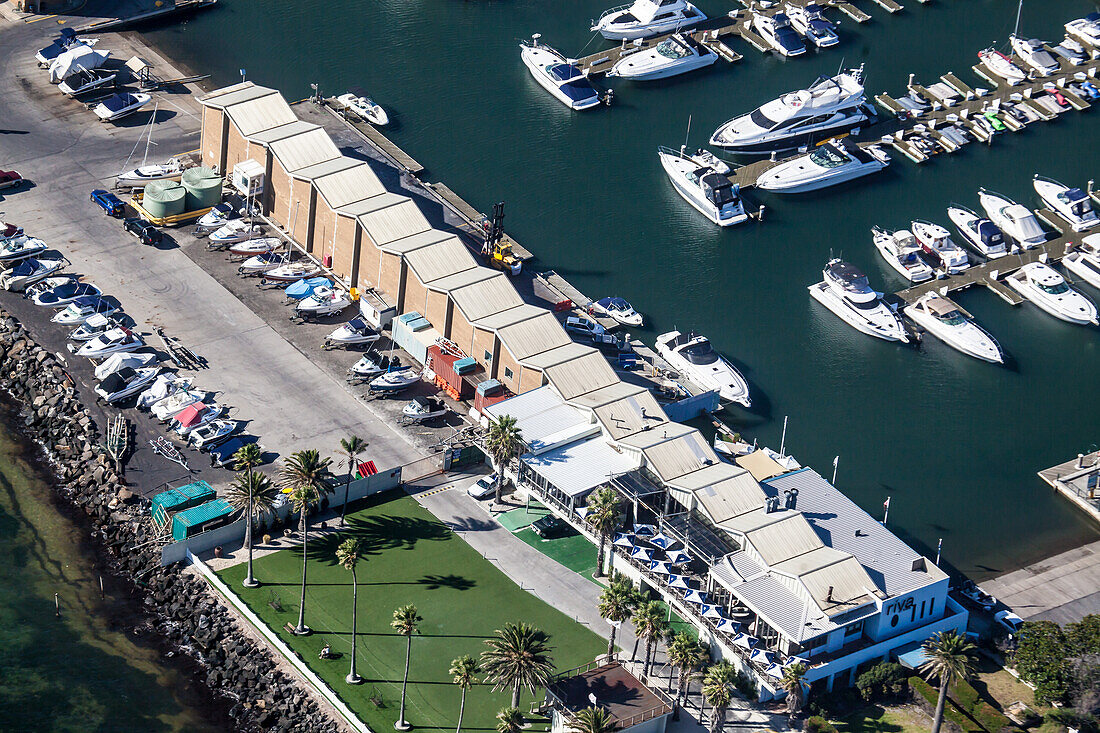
(535, 59)
(842, 176)
(1084, 267)
(613, 31)
(622, 69)
(824, 295)
(689, 194)
(985, 348)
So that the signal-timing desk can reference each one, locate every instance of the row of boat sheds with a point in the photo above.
(770, 561)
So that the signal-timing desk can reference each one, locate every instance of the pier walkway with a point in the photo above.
(1062, 588)
(1079, 481)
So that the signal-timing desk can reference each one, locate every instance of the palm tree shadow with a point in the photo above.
(376, 534)
(455, 582)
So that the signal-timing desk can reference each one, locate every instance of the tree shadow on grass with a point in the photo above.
(376, 534)
(455, 582)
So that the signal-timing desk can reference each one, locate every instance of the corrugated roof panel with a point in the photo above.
(305, 149)
(839, 587)
(580, 467)
(533, 336)
(281, 132)
(486, 297)
(440, 259)
(510, 316)
(261, 113)
(327, 167)
(234, 94)
(462, 279)
(673, 458)
(348, 185)
(580, 375)
(781, 608)
(783, 540)
(557, 356)
(730, 497)
(607, 395)
(630, 415)
(398, 218)
(660, 434)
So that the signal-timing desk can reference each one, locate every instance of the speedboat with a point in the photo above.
(235, 230)
(618, 309)
(366, 368)
(165, 385)
(175, 403)
(125, 382)
(28, 272)
(111, 342)
(830, 106)
(1071, 50)
(215, 432)
(936, 241)
(62, 295)
(1002, 66)
(87, 80)
(292, 271)
(366, 108)
(1087, 28)
(1033, 52)
(142, 175)
(710, 192)
(323, 302)
(78, 57)
(262, 263)
(81, 309)
(421, 409)
(901, 251)
(306, 287)
(694, 358)
(943, 319)
(811, 22)
(121, 105)
(1042, 285)
(18, 248)
(93, 327)
(846, 292)
(830, 164)
(66, 40)
(395, 380)
(982, 234)
(1017, 221)
(48, 283)
(253, 247)
(776, 30)
(194, 416)
(677, 54)
(1071, 203)
(562, 79)
(1084, 260)
(216, 218)
(645, 18)
(10, 231)
(974, 593)
(116, 362)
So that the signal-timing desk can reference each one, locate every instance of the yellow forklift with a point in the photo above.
(495, 248)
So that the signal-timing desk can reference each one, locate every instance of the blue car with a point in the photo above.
(110, 203)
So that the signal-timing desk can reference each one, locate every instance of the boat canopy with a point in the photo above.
(119, 102)
(117, 381)
(718, 189)
(358, 325)
(849, 276)
(700, 352)
(26, 267)
(1025, 220)
(307, 287)
(991, 236)
(580, 90)
(192, 414)
(614, 304)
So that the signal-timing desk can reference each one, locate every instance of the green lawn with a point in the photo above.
(409, 557)
(517, 519)
(574, 552)
(877, 719)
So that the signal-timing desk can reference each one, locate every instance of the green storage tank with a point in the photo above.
(178, 499)
(190, 522)
(203, 188)
(164, 198)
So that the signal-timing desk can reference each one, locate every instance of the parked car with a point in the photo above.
(483, 487)
(107, 201)
(583, 326)
(9, 179)
(143, 230)
(550, 527)
(1009, 621)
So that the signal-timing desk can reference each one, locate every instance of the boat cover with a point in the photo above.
(610, 303)
(305, 287)
(117, 381)
(119, 102)
(25, 268)
(191, 414)
(225, 451)
(358, 325)
(990, 235)
(77, 58)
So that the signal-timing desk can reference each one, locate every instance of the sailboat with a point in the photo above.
(145, 173)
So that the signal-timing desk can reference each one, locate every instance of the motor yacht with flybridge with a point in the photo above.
(777, 32)
(645, 18)
(846, 292)
(901, 250)
(1017, 221)
(710, 192)
(830, 106)
(829, 164)
(1033, 53)
(677, 54)
(694, 357)
(943, 319)
(1000, 65)
(1042, 285)
(1084, 260)
(982, 234)
(1072, 204)
(936, 241)
(562, 79)
(810, 21)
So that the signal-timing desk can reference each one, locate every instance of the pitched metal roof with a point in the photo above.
(581, 374)
(674, 458)
(282, 131)
(462, 279)
(488, 296)
(840, 586)
(557, 356)
(254, 116)
(782, 540)
(392, 217)
(578, 468)
(631, 414)
(327, 167)
(730, 497)
(532, 336)
(659, 434)
(539, 413)
(607, 395)
(305, 149)
(439, 259)
(216, 97)
(347, 185)
(510, 316)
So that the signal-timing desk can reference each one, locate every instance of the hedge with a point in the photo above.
(951, 713)
(818, 724)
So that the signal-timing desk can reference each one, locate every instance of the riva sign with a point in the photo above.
(899, 606)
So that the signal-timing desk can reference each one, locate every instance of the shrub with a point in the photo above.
(746, 685)
(881, 680)
(924, 692)
(818, 724)
(1042, 658)
(267, 539)
(1073, 719)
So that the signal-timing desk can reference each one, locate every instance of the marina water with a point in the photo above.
(954, 442)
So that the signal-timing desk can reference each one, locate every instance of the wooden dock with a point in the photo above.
(890, 6)
(397, 157)
(474, 218)
(1079, 481)
(561, 290)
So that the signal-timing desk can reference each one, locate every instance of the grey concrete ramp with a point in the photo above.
(1062, 588)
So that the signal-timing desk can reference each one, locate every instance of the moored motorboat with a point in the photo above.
(644, 18)
(62, 295)
(1016, 221)
(366, 108)
(693, 357)
(777, 32)
(677, 54)
(125, 383)
(982, 234)
(707, 159)
(324, 301)
(1071, 50)
(1042, 285)
(1087, 28)
(943, 319)
(846, 292)
(562, 79)
(936, 241)
(901, 250)
(292, 271)
(710, 192)
(1083, 260)
(81, 309)
(18, 248)
(1072, 204)
(1033, 53)
(121, 105)
(111, 342)
(1001, 66)
(395, 380)
(832, 163)
(29, 271)
(810, 21)
(618, 309)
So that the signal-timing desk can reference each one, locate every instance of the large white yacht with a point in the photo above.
(1042, 285)
(829, 106)
(1000, 65)
(810, 21)
(830, 164)
(562, 79)
(710, 192)
(901, 251)
(677, 54)
(1084, 260)
(1087, 28)
(776, 30)
(1017, 221)
(645, 18)
(694, 357)
(846, 292)
(982, 234)
(936, 241)
(1033, 53)
(1071, 203)
(943, 319)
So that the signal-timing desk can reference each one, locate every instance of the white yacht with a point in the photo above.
(29, 271)
(901, 251)
(776, 30)
(557, 76)
(1087, 28)
(1017, 221)
(704, 157)
(1071, 50)
(619, 309)
(645, 18)
(1072, 204)
(235, 230)
(982, 234)
(943, 319)
(1000, 65)
(846, 292)
(1033, 53)
(829, 106)
(810, 21)
(145, 174)
(830, 164)
(1042, 285)
(366, 108)
(710, 192)
(20, 248)
(125, 382)
(677, 54)
(1084, 260)
(936, 241)
(111, 342)
(121, 105)
(696, 359)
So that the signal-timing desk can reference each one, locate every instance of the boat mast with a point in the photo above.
(149, 134)
(1019, 9)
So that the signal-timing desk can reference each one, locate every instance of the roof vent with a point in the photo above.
(919, 565)
(860, 533)
(829, 595)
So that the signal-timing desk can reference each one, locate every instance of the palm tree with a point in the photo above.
(616, 605)
(303, 478)
(246, 458)
(347, 554)
(503, 444)
(950, 658)
(717, 691)
(792, 683)
(518, 657)
(405, 622)
(464, 668)
(509, 720)
(592, 720)
(350, 448)
(604, 515)
(253, 493)
(650, 624)
(687, 656)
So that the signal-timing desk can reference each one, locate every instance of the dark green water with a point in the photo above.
(82, 671)
(955, 443)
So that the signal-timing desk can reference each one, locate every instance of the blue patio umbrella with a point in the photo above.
(662, 540)
(713, 612)
(581, 511)
(622, 540)
(745, 641)
(762, 656)
(775, 671)
(640, 553)
(796, 660)
(696, 596)
(679, 557)
(663, 568)
(728, 627)
(645, 530)
(678, 581)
